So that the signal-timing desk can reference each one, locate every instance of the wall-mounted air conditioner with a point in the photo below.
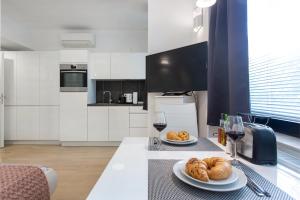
(78, 40)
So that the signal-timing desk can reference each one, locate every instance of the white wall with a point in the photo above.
(106, 40)
(15, 33)
(170, 25)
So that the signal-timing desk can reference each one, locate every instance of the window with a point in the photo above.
(274, 58)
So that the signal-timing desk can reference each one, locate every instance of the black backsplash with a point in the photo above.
(119, 87)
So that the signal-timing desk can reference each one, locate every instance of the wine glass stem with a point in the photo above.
(234, 153)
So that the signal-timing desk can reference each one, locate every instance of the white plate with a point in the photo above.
(231, 179)
(240, 183)
(192, 140)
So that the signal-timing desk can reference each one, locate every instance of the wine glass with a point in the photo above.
(159, 123)
(234, 128)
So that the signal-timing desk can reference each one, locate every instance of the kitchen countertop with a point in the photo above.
(113, 104)
(126, 175)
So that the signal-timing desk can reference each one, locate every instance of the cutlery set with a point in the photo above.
(258, 190)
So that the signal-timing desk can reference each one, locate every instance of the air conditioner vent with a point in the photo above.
(78, 40)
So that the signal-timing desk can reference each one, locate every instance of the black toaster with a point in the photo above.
(259, 145)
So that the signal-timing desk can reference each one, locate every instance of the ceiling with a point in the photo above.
(78, 14)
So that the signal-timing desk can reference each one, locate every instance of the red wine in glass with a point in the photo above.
(235, 135)
(160, 126)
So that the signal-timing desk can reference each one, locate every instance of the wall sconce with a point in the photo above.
(198, 19)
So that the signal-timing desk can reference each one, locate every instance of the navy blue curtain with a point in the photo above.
(228, 75)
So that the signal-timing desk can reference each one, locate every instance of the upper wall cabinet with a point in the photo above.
(74, 56)
(99, 66)
(128, 65)
(10, 79)
(27, 78)
(49, 78)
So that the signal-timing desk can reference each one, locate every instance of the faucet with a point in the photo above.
(109, 100)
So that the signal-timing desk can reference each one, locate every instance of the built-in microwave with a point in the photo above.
(73, 77)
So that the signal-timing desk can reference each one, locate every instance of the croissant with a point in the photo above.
(172, 135)
(197, 169)
(214, 168)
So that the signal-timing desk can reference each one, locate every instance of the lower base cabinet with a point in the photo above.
(10, 122)
(49, 123)
(138, 132)
(98, 123)
(31, 123)
(73, 116)
(118, 123)
(73, 124)
(27, 122)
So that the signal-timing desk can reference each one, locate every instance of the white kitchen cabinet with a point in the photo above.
(10, 121)
(73, 116)
(27, 78)
(99, 66)
(98, 123)
(138, 132)
(137, 109)
(128, 65)
(27, 122)
(10, 78)
(49, 123)
(138, 120)
(74, 56)
(49, 78)
(118, 123)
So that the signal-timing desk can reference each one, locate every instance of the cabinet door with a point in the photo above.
(10, 121)
(27, 78)
(49, 123)
(118, 123)
(138, 120)
(138, 132)
(73, 116)
(27, 122)
(97, 123)
(49, 78)
(128, 65)
(99, 66)
(73, 56)
(10, 79)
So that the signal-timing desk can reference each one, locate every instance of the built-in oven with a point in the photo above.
(73, 77)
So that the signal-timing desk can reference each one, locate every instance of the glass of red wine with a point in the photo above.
(159, 123)
(234, 128)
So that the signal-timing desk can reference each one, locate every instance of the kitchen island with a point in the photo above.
(126, 175)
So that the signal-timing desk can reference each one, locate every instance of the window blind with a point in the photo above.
(274, 58)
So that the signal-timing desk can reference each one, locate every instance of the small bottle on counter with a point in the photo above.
(222, 138)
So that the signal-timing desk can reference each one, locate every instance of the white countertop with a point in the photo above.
(126, 175)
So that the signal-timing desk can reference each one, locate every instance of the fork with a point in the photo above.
(253, 185)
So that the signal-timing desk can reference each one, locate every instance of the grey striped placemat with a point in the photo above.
(164, 185)
(203, 144)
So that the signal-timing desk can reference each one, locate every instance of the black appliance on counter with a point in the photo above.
(259, 145)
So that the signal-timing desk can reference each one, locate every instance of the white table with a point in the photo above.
(126, 175)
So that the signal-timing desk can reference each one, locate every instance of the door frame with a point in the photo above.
(1, 99)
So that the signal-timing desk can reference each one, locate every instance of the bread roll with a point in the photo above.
(172, 135)
(214, 168)
(218, 168)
